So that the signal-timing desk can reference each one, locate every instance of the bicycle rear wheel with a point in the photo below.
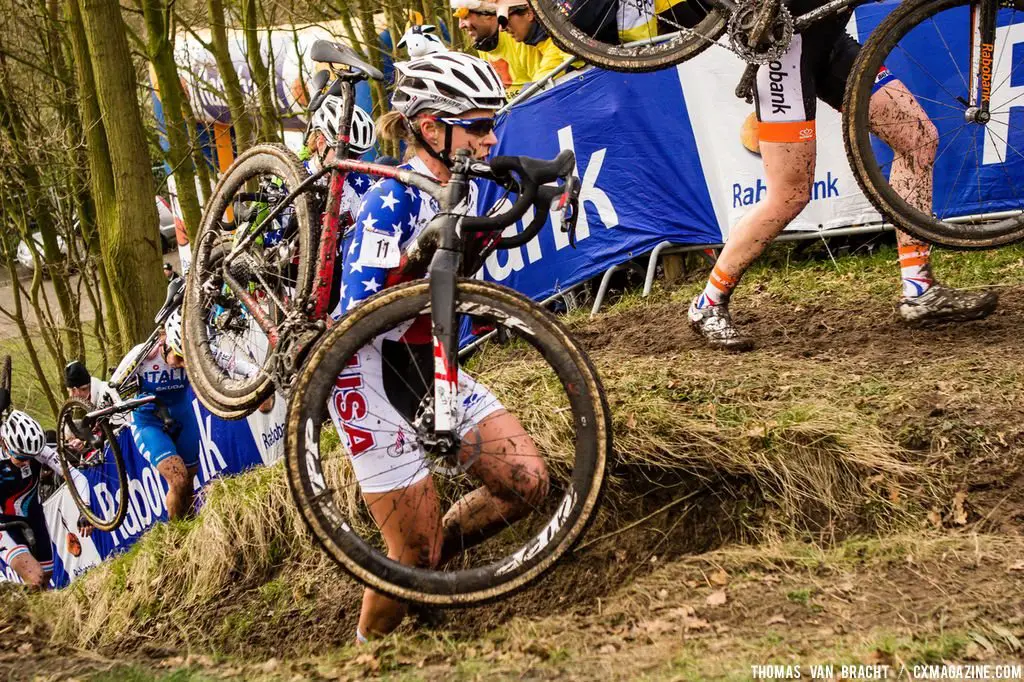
(227, 352)
(108, 500)
(974, 196)
(631, 36)
(374, 370)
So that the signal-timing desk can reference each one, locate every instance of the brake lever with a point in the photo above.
(568, 207)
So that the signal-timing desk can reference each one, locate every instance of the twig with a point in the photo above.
(638, 522)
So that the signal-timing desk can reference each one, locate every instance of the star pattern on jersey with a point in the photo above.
(389, 201)
(359, 181)
(369, 223)
(371, 285)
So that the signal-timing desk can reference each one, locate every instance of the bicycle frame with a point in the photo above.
(983, 20)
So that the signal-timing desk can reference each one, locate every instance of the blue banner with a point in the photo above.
(226, 447)
(642, 180)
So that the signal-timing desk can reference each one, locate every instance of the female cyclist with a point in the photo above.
(442, 102)
(817, 65)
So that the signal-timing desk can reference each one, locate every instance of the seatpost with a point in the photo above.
(444, 271)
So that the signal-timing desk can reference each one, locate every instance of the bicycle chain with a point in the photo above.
(727, 45)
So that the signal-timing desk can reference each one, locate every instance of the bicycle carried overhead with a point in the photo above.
(954, 57)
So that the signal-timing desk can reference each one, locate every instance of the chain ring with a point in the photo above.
(780, 35)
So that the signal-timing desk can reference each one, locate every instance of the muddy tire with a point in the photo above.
(518, 562)
(861, 154)
(226, 395)
(112, 465)
(552, 15)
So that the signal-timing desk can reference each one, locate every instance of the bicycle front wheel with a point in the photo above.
(631, 36)
(227, 352)
(84, 450)
(921, 150)
(504, 503)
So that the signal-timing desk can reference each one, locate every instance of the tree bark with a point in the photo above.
(132, 248)
(160, 48)
(101, 177)
(260, 73)
(232, 86)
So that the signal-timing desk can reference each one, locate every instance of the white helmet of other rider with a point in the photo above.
(449, 82)
(23, 436)
(327, 119)
(419, 41)
(172, 333)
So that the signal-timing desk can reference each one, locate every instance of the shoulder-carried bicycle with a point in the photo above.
(958, 58)
(87, 441)
(397, 371)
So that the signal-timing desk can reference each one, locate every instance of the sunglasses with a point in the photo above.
(517, 11)
(478, 127)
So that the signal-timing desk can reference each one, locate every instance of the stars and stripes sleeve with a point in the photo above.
(373, 248)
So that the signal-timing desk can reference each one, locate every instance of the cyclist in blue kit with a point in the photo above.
(165, 432)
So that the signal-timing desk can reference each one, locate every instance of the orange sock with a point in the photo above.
(719, 287)
(915, 269)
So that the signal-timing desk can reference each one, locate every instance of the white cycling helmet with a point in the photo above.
(450, 82)
(172, 333)
(419, 41)
(22, 434)
(327, 119)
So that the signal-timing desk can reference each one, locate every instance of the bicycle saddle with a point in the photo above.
(336, 53)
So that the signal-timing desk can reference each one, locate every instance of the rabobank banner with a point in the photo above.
(662, 156)
(227, 447)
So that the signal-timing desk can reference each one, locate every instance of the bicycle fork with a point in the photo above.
(983, 22)
(444, 271)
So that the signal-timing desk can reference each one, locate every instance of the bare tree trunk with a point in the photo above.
(101, 178)
(132, 248)
(160, 48)
(232, 86)
(265, 93)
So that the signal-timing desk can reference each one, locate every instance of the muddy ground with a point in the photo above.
(947, 586)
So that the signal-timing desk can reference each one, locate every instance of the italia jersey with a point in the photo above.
(155, 376)
(390, 217)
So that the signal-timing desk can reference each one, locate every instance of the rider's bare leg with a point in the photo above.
(514, 477)
(410, 521)
(30, 571)
(898, 120)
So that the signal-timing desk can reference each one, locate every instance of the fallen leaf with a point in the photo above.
(719, 577)
(692, 584)
(716, 598)
(631, 421)
(657, 627)
(972, 652)
(25, 648)
(680, 612)
(608, 649)
(777, 619)
(959, 512)
(935, 518)
(271, 664)
(662, 594)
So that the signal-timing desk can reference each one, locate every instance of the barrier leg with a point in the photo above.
(603, 289)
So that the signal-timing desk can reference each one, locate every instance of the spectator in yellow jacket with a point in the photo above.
(524, 27)
(515, 62)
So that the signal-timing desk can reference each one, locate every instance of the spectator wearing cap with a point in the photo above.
(169, 272)
(515, 62)
(524, 27)
(80, 384)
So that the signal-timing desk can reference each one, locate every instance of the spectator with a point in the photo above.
(169, 273)
(523, 26)
(515, 62)
(80, 384)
